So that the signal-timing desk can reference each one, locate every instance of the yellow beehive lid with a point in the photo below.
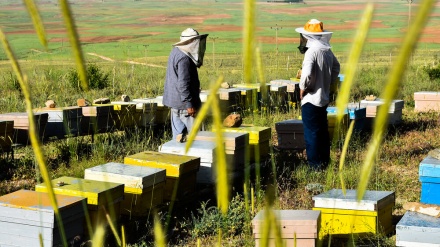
(174, 164)
(96, 192)
(257, 134)
(253, 85)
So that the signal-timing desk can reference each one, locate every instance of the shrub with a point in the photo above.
(97, 79)
(433, 73)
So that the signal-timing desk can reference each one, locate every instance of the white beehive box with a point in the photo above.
(418, 230)
(25, 214)
(203, 149)
(426, 101)
(298, 227)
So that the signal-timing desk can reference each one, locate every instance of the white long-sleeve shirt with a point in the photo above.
(320, 68)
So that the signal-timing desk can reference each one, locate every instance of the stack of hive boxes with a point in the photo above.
(417, 229)
(162, 113)
(259, 140)
(292, 88)
(229, 99)
(236, 149)
(102, 197)
(6, 135)
(372, 107)
(205, 150)
(25, 214)
(343, 215)
(62, 121)
(298, 227)
(278, 96)
(248, 99)
(262, 93)
(290, 134)
(426, 101)
(97, 119)
(181, 171)
(146, 113)
(124, 114)
(21, 125)
(143, 186)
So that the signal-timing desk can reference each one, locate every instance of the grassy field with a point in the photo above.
(114, 32)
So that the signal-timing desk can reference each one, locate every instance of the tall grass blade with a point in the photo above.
(344, 154)
(35, 142)
(222, 186)
(159, 237)
(75, 43)
(390, 91)
(248, 39)
(36, 20)
(113, 228)
(123, 236)
(98, 236)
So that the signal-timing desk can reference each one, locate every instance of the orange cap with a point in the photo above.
(314, 26)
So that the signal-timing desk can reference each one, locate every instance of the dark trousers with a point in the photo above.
(316, 135)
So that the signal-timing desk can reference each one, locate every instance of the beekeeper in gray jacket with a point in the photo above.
(182, 85)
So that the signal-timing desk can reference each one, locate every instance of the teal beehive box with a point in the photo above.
(429, 175)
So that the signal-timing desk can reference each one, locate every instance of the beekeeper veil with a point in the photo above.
(193, 45)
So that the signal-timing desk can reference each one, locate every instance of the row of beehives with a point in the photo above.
(334, 214)
(421, 227)
(144, 181)
(291, 132)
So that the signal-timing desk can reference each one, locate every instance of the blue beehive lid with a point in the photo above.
(354, 113)
(415, 229)
(429, 167)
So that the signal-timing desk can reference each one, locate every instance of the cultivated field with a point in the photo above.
(130, 42)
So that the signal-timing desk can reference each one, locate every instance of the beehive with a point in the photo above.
(262, 96)
(62, 121)
(415, 229)
(25, 214)
(102, 197)
(123, 114)
(146, 113)
(372, 107)
(229, 99)
(162, 113)
(298, 227)
(290, 134)
(426, 101)
(203, 149)
(143, 186)
(248, 99)
(181, 170)
(6, 135)
(343, 127)
(344, 215)
(429, 175)
(259, 139)
(97, 119)
(21, 125)
(355, 114)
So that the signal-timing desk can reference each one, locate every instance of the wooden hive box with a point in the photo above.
(292, 88)
(249, 99)
(426, 101)
(236, 146)
(298, 227)
(343, 215)
(278, 95)
(97, 119)
(229, 99)
(290, 134)
(101, 197)
(416, 229)
(331, 118)
(21, 125)
(124, 114)
(429, 175)
(372, 107)
(143, 186)
(162, 113)
(181, 170)
(146, 113)
(259, 140)
(25, 214)
(355, 114)
(6, 135)
(62, 121)
(263, 92)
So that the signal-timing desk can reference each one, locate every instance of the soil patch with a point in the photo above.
(165, 19)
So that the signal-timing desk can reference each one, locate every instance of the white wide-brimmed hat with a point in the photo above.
(313, 27)
(188, 35)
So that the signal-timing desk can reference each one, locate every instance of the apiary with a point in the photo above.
(416, 229)
(343, 215)
(25, 214)
(181, 170)
(298, 227)
(429, 176)
(101, 197)
(143, 186)
(6, 135)
(259, 139)
(290, 134)
(427, 101)
(162, 113)
(62, 121)
(97, 119)
(21, 125)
